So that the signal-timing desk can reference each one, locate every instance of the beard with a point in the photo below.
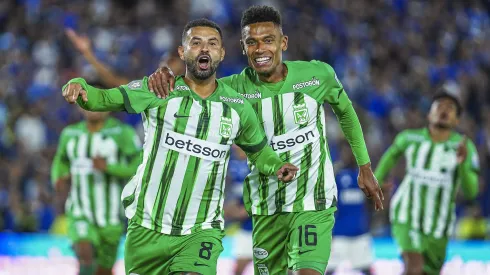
(192, 66)
(442, 125)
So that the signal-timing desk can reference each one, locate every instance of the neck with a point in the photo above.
(439, 134)
(95, 126)
(277, 75)
(202, 88)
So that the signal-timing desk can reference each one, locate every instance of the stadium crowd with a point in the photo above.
(389, 54)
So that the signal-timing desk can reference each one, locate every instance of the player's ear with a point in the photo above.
(284, 43)
(222, 56)
(181, 52)
(243, 47)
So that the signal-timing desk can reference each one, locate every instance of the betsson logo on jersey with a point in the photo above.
(295, 139)
(195, 147)
(313, 82)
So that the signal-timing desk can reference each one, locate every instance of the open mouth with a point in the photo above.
(204, 61)
(261, 61)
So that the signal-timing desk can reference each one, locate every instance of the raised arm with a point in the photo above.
(82, 44)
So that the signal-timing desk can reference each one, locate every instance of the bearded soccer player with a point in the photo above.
(438, 162)
(175, 202)
(292, 223)
(97, 156)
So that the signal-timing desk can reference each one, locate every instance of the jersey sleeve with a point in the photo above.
(131, 149)
(251, 137)
(133, 97)
(61, 165)
(334, 93)
(252, 140)
(469, 171)
(391, 156)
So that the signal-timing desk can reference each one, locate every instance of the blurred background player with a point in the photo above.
(352, 242)
(439, 160)
(235, 210)
(95, 159)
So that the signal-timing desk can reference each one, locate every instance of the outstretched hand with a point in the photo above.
(73, 91)
(369, 185)
(287, 172)
(162, 82)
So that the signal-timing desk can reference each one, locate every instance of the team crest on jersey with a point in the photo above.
(136, 84)
(225, 127)
(301, 114)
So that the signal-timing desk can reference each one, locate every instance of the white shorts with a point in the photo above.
(243, 245)
(353, 252)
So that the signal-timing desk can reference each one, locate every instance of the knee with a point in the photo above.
(85, 253)
(414, 268)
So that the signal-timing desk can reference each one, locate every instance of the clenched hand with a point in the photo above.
(287, 172)
(73, 91)
(162, 82)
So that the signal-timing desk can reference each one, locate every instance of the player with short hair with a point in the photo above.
(292, 223)
(438, 161)
(174, 203)
(94, 160)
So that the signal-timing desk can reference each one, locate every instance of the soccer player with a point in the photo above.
(438, 162)
(292, 223)
(97, 156)
(351, 241)
(174, 203)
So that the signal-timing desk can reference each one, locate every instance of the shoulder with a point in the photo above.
(233, 99)
(310, 65)
(75, 129)
(238, 80)
(412, 134)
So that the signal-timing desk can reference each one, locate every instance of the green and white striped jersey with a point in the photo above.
(94, 195)
(179, 186)
(291, 113)
(425, 200)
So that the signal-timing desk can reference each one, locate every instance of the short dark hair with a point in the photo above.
(446, 92)
(203, 22)
(257, 14)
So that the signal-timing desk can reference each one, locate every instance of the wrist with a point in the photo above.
(366, 166)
